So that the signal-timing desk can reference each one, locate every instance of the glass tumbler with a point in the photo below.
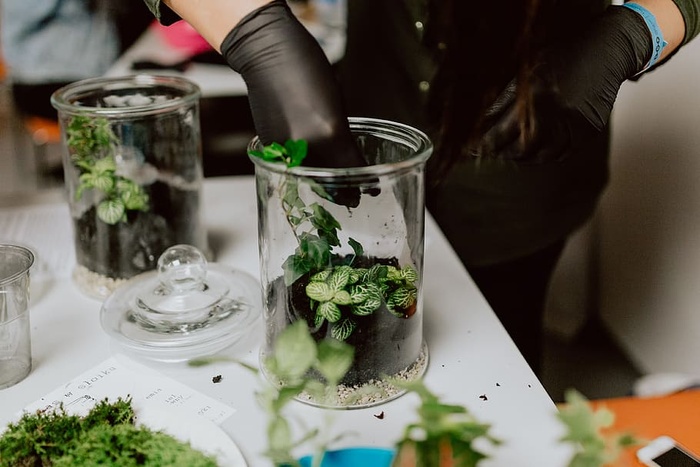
(15, 334)
(133, 171)
(342, 249)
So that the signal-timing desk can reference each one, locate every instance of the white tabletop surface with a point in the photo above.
(471, 355)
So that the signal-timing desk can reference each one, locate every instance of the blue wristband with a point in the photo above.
(657, 38)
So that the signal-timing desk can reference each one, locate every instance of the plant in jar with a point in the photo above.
(92, 145)
(351, 297)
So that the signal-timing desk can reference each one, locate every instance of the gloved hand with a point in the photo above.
(574, 89)
(292, 90)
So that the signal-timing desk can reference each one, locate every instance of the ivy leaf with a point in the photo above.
(315, 250)
(292, 153)
(356, 247)
(320, 190)
(294, 267)
(322, 219)
(296, 150)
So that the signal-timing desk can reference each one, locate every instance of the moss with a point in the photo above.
(105, 436)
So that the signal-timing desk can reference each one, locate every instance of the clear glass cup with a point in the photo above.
(359, 232)
(15, 334)
(133, 171)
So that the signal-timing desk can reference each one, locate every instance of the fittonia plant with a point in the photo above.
(92, 144)
(338, 291)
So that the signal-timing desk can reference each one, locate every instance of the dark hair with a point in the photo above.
(488, 44)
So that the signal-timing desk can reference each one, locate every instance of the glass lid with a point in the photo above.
(187, 308)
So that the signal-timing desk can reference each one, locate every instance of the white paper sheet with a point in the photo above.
(121, 377)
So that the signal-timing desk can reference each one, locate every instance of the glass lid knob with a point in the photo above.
(182, 268)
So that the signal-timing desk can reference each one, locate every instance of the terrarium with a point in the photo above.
(342, 249)
(133, 173)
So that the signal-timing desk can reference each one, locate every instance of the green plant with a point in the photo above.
(586, 431)
(92, 144)
(360, 292)
(444, 434)
(295, 357)
(107, 436)
(338, 291)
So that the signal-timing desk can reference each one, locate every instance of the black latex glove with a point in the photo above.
(292, 90)
(574, 90)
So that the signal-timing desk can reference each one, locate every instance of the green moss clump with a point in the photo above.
(129, 446)
(105, 436)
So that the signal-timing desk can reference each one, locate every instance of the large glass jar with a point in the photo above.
(133, 171)
(342, 249)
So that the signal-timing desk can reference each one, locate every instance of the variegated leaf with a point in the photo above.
(343, 329)
(339, 278)
(319, 291)
(367, 307)
(330, 311)
(342, 297)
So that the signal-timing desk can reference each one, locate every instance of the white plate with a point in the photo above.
(201, 433)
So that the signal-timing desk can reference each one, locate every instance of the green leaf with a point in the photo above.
(297, 150)
(364, 291)
(292, 153)
(339, 278)
(318, 319)
(105, 164)
(295, 351)
(585, 429)
(315, 250)
(320, 190)
(342, 297)
(409, 274)
(342, 330)
(334, 359)
(330, 236)
(111, 211)
(291, 197)
(376, 273)
(319, 291)
(322, 276)
(294, 267)
(279, 434)
(356, 247)
(322, 219)
(369, 306)
(403, 296)
(330, 311)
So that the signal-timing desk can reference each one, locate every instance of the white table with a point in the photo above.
(470, 353)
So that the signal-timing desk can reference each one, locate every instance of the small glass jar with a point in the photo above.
(133, 171)
(342, 249)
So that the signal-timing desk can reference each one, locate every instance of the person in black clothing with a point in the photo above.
(515, 94)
